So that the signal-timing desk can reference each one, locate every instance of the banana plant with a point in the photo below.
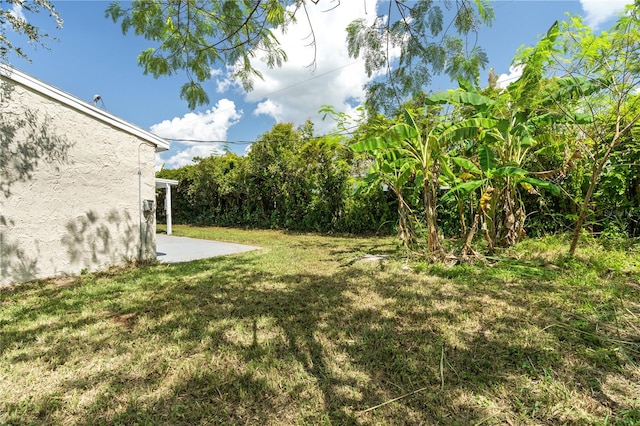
(408, 151)
(500, 215)
(413, 147)
(391, 170)
(422, 152)
(510, 128)
(502, 153)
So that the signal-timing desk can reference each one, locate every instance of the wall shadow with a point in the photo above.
(27, 141)
(92, 240)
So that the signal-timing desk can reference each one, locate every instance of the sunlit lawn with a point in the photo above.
(302, 332)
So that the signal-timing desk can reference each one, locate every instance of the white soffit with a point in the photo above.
(82, 106)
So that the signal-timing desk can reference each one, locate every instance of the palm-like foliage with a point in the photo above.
(504, 131)
(404, 151)
(417, 148)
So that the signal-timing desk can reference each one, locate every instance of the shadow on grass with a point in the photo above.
(229, 341)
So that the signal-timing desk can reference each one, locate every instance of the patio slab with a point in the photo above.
(171, 249)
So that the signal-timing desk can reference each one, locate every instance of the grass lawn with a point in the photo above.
(302, 332)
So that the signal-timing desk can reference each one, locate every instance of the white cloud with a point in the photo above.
(18, 12)
(186, 153)
(598, 12)
(211, 125)
(295, 92)
(504, 80)
(269, 108)
(223, 81)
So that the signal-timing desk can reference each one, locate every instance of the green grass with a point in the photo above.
(301, 332)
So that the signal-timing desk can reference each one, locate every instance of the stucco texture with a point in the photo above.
(69, 190)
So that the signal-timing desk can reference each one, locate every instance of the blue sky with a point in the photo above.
(93, 57)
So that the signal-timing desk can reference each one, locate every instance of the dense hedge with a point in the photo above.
(287, 181)
(290, 180)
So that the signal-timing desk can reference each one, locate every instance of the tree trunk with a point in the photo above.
(466, 248)
(511, 221)
(463, 224)
(404, 230)
(487, 207)
(489, 234)
(430, 200)
(583, 208)
(595, 176)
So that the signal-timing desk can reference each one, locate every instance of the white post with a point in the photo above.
(167, 208)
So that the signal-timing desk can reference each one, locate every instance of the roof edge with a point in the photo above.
(82, 106)
(162, 183)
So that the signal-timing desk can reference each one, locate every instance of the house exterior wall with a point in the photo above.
(70, 190)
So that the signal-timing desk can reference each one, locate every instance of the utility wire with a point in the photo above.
(311, 78)
(206, 141)
(244, 142)
(247, 142)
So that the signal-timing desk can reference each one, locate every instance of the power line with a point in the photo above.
(311, 78)
(247, 142)
(266, 95)
(213, 141)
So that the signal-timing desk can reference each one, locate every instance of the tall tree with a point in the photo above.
(613, 61)
(274, 181)
(13, 19)
(428, 44)
(602, 71)
(196, 35)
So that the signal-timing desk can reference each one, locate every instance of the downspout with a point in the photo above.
(143, 234)
(140, 204)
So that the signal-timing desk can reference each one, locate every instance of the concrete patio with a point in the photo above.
(171, 249)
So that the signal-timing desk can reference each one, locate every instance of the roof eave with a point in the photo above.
(65, 98)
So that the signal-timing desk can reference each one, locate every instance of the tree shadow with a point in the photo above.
(15, 264)
(92, 240)
(27, 139)
(226, 341)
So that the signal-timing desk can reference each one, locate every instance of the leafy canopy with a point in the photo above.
(196, 35)
(428, 45)
(13, 19)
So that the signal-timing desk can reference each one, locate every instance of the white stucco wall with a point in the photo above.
(78, 208)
